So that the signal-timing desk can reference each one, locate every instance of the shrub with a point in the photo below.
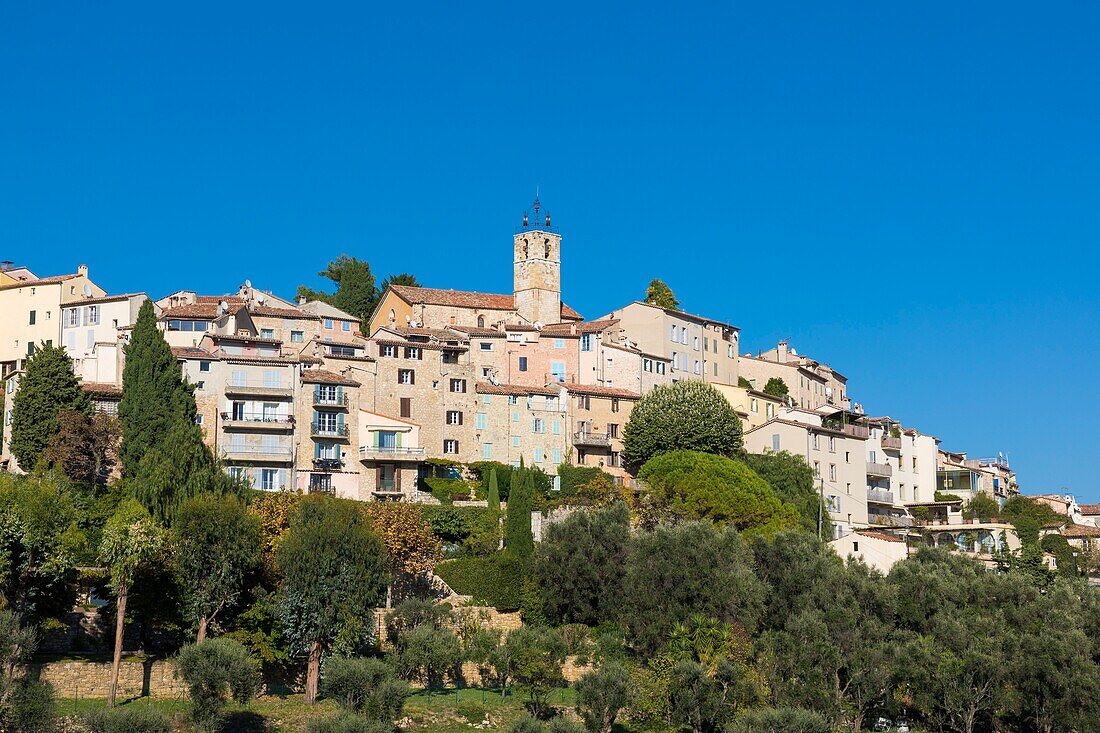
(483, 470)
(577, 638)
(413, 613)
(347, 723)
(526, 724)
(31, 707)
(562, 724)
(430, 654)
(686, 415)
(365, 686)
(535, 656)
(570, 478)
(128, 719)
(214, 670)
(780, 720)
(454, 523)
(601, 694)
(495, 581)
(447, 490)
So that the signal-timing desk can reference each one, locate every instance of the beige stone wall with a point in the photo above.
(537, 276)
(509, 430)
(601, 416)
(78, 680)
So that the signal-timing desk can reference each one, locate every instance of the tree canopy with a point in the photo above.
(660, 294)
(47, 389)
(792, 480)
(776, 387)
(686, 415)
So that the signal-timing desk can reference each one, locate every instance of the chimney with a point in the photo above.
(781, 352)
(82, 270)
(301, 300)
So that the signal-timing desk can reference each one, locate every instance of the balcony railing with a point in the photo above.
(879, 469)
(328, 464)
(890, 442)
(879, 496)
(277, 453)
(328, 431)
(383, 452)
(584, 437)
(324, 400)
(257, 421)
(888, 520)
(260, 387)
(856, 431)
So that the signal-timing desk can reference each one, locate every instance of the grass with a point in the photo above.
(453, 710)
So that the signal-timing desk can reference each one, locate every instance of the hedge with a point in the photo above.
(447, 490)
(544, 483)
(495, 581)
(573, 477)
(454, 523)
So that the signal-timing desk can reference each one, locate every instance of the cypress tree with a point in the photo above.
(47, 387)
(154, 392)
(518, 538)
(494, 492)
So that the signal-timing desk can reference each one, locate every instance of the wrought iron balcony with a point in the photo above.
(328, 464)
(328, 431)
(585, 437)
(323, 400)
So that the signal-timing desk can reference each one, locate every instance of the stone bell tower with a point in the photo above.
(537, 268)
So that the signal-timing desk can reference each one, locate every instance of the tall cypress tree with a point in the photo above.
(154, 392)
(47, 387)
(518, 538)
(494, 492)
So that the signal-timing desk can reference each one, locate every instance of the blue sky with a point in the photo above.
(906, 191)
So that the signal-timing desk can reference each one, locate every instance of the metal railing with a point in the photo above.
(328, 464)
(330, 400)
(334, 431)
(390, 450)
(584, 437)
(258, 417)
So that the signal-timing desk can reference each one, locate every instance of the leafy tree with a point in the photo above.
(39, 543)
(131, 541)
(155, 395)
(580, 566)
(689, 485)
(687, 415)
(535, 655)
(47, 388)
(494, 492)
(367, 687)
(216, 670)
(85, 447)
(275, 510)
(660, 295)
(430, 654)
(217, 543)
(792, 480)
(412, 547)
(403, 278)
(334, 573)
(602, 694)
(518, 538)
(776, 387)
(695, 698)
(981, 506)
(744, 383)
(666, 583)
(355, 294)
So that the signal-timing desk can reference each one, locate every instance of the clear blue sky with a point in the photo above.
(905, 190)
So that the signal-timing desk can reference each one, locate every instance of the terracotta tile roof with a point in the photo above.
(256, 359)
(332, 342)
(598, 391)
(517, 390)
(106, 299)
(268, 311)
(519, 327)
(566, 329)
(1079, 531)
(40, 281)
(477, 331)
(467, 299)
(203, 311)
(441, 334)
(426, 345)
(191, 352)
(879, 536)
(1090, 509)
(243, 338)
(323, 376)
(102, 389)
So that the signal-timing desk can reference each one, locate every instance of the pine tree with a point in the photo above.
(47, 387)
(154, 392)
(181, 468)
(518, 538)
(494, 492)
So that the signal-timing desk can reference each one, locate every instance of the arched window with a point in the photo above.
(481, 321)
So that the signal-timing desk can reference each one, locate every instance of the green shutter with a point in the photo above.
(397, 440)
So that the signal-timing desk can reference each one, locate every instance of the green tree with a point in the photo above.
(216, 670)
(403, 278)
(580, 566)
(356, 293)
(47, 388)
(687, 415)
(155, 395)
(744, 383)
(494, 492)
(981, 506)
(601, 694)
(85, 447)
(660, 295)
(535, 655)
(217, 543)
(792, 480)
(364, 686)
(776, 387)
(334, 574)
(131, 541)
(688, 485)
(518, 538)
(429, 653)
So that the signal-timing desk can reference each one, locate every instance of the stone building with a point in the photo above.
(597, 416)
(811, 384)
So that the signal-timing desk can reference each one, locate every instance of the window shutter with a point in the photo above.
(340, 394)
(397, 441)
(460, 418)
(316, 449)
(340, 420)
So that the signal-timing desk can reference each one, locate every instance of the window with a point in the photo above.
(334, 350)
(406, 376)
(267, 333)
(754, 407)
(915, 468)
(450, 446)
(647, 365)
(345, 325)
(271, 378)
(729, 351)
(775, 442)
(388, 350)
(487, 399)
(515, 416)
(481, 421)
(584, 402)
(454, 417)
(515, 441)
(683, 335)
(847, 456)
(675, 361)
(855, 547)
(672, 335)
(268, 479)
(328, 323)
(586, 342)
(538, 425)
(406, 407)
(204, 366)
(555, 427)
(715, 369)
(198, 419)
(557, 456)
(832, 444)
(412, 352)
(613, 430)
(178, 325)
(559, 343)
(832, 472)
(696, 366)
(486, 345)
(487, 451)
(458, 385)
(73, 317)
(695, 343)
(814, 441)
(660, 367)
(297, 337)
(512, 399)
(523, 363)
(706, 343)
(450, 357)
(538, 455)
(34, 317)
(480, 321)
(817, 468)
(557, 371)
(614, 404)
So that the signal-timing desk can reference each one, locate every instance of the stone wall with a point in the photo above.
(145, 678)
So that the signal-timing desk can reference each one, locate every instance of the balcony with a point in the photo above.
(257, 421)
(339, 432)
(389, 453)
(889, 442)
(587, 438)
(264, 453)
(880, 496)
(856, 431)
(888, 520)
(260, 388)
(884, 470)
(323, 400)
(328, 464)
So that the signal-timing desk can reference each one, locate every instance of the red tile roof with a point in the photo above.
(102, 389)
(567, 329)
(106, 299)
(878, 535)
(598, 391)
(268, 311)
(517, 390)
(323, 376)
(191, 352)
(441, 334)
(467, 299)
(203, 311)
(477, 331)
(40, 281)
(1090, 509)
(1079, 531)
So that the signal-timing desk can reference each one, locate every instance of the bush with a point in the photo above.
(780, 720)
(347, 723)
(544, 483)
(535, 656)
(562, 724)
(365, 686)
(128, 719)
(447, 490)
(601, 694)
(455, 523)
(526, 724)
(570, 478)
(429, 654)
(686, 415)
(495, 581)
(214, 670)
(413, 613)
(31, 707)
